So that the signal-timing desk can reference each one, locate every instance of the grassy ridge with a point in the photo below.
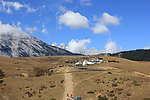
(136, 55)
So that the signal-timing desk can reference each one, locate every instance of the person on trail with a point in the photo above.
(72, 96)
(67, 95)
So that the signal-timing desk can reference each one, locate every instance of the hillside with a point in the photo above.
(15, 43)
(53, 77)
(136, 55)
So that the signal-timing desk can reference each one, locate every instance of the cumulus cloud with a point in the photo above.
(86, 2)
(7, 29)
(148, 47)
(92, 51)
(78, 46)
(108, 19)
(63, 45)
(44, 30)
(111, 47)
(31, 29)
(100, 29)
(73, 20)
(7, 6)
(103, 22)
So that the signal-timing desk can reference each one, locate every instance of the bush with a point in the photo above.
(1, 74)
(52, 99)
(146, 99)
(119, 89)
(90, 92)
(42, 71)
(102, 98)
(137, 84)
(52, 86)
(1, 81)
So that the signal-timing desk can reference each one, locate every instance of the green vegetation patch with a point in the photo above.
(146, 99)
(119, 89)
(102, 98)
(90, 92)
(1, 81)
(1, 74)
(137, 84)
(52, 99)
(52, 86)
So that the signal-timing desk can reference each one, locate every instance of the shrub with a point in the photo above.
(109, 72)
(119, 89)
(52, 99)
(42, 71)
(90, 92)
(128, 94)
(114, 85)
(52, 86)
(1, 81)
(146, 98)
(137, 84)
(102, 98)
(62, 81)
(1, 74)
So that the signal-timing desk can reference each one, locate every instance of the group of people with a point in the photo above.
(70, 97)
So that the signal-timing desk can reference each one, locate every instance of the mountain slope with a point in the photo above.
(136, 55)
(15, 43)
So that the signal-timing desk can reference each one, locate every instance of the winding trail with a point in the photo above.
(142, 74)
(68, 84)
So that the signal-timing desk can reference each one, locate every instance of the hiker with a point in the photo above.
(72, 96)
(67, 95)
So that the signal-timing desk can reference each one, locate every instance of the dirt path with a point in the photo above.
(142, 74)
(68, 84)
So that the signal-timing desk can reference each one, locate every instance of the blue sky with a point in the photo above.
(121, 24)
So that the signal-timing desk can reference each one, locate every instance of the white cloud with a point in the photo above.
(86, 2)
(111, 47)
(78, 46)
(16, 5)
(100, 28)
(6, 30)
(102, 23)
(30, 10)
(31, 29)
(7, 6)
(63, 8)
(63, 45)
(73, 20)
(44, 30)
(69, 1)
(108, 19)
(92, 51)
(148, 47)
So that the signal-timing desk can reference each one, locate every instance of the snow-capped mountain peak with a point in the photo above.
(7, 30)
(16, 43)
